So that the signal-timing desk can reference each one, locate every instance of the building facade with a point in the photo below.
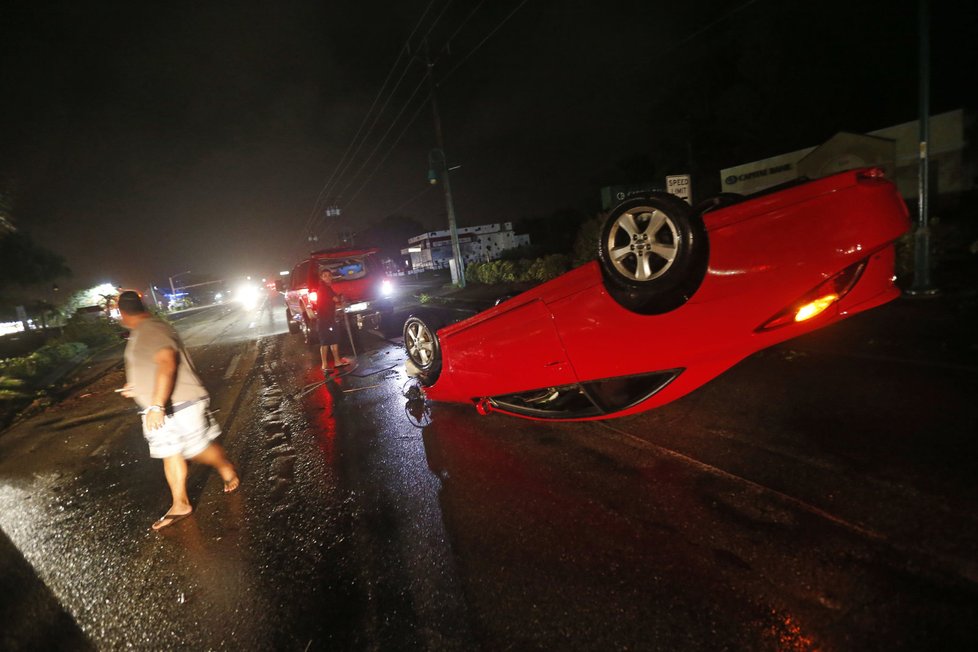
(433, 250)
(952, 158)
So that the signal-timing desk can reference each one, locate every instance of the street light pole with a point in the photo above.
(173, 290)
(449, 204)
(921, 272)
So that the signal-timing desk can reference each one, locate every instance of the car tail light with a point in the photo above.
(872, 177)
(872, 173)
(814, 303)
(313, 297)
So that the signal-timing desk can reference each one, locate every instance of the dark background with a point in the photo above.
(140, 140)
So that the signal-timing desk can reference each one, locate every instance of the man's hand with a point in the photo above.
(154, 419)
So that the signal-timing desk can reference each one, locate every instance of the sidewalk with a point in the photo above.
(62, 382)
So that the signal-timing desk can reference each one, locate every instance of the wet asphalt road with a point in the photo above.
(820, 495)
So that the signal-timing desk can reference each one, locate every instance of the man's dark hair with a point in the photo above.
(131, 303)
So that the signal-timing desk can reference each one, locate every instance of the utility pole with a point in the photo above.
(440, 141)
(921, 268)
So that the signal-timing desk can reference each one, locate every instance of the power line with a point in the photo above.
(461, 25)
(315, 219)
(483, 41)
(311, 220)
(383, 137)
(380, 113)
(380, 164)
(418, 110)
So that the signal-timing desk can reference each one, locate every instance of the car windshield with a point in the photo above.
(345, 269)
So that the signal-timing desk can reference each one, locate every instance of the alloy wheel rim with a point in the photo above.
(420, 345)
(643, 243)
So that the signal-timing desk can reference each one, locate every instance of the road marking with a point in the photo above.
(891, 359)
(961, 567)
(231, 367)
(713, 470)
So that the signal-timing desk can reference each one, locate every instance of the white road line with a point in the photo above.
(231, 367)
(712, 470)
(965, 568)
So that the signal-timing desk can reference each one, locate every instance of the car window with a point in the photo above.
(299, 275)
(345, 269)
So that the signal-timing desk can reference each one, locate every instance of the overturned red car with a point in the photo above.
(678, 296)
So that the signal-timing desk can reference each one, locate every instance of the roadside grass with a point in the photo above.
(28, 378)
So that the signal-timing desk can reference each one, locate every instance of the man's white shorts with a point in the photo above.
(186, 432)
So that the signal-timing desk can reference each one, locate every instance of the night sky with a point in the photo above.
(144, 139)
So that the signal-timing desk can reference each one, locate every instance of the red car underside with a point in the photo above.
(765, 254)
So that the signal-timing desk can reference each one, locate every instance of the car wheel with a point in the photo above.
(653, 253)
(421, 342)
(293, 325)
(308, 328)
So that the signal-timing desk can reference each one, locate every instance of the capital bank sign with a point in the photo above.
(756, 174)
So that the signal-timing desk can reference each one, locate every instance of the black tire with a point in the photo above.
(423, 349)
(722, 200)
(293, 324)
(309, 334)
(653, 252)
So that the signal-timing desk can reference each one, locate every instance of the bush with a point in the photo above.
(11, 389)
(549, 267)
(93, 333)
(41, 362)
(586, 243)
(472, 272)
(523, 252)
(508, 271)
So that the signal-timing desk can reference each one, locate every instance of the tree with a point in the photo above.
(390, 235)
(555, 233)
(23, 262)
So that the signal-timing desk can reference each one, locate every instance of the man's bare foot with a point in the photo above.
(232, 483)
(169, 519)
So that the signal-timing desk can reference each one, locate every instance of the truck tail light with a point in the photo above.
(313, 297)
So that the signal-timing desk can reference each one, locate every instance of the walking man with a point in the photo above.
(162, 380)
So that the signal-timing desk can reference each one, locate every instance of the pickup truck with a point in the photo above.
(358, 277)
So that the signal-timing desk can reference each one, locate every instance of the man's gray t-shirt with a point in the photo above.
(144, 341)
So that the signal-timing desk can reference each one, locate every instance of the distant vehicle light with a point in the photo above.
(387, 288)
(218, 296)
(247, 295)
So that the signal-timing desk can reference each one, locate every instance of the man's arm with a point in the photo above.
(166, 376)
